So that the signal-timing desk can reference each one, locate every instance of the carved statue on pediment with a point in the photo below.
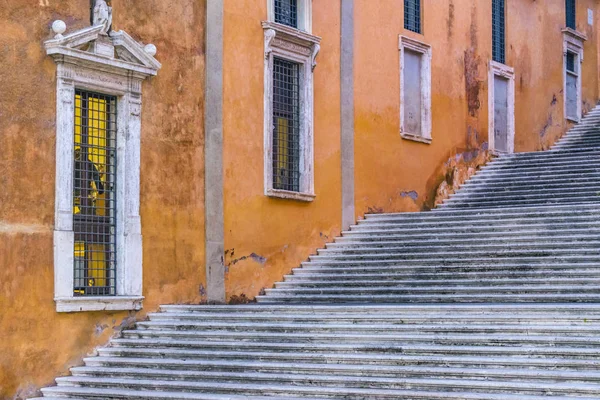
(102, 15)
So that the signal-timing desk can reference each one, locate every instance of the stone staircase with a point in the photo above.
(494, 295)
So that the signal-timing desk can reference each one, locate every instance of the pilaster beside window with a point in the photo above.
(415, 90)
(97, 233)
(290, 59)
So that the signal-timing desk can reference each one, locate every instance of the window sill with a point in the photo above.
(574, 120)
(99, 303)
(575, 34)
(286, 194)
(415, 138)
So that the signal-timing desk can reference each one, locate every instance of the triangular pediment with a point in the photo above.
(116, 48)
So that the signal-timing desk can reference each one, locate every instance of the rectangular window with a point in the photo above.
(498, 31)
(286, 12)
(415, 90)
(412, 15)
(286, 125)
(571, 7)
(94, 189)
(572, 83)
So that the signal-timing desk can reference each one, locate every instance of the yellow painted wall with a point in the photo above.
(265, 237)
(36, 343)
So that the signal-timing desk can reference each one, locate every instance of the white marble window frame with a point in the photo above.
(499, 69)
(572, 43)
(424, 49)
(302, 48)
(126, 86)
(304, 14)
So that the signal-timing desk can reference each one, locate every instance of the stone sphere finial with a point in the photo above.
(150, 49)
(59, 27)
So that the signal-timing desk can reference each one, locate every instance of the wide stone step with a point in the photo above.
(574, 311)
(218, 327)
(412, 356)
(475, 269)
(572, 164)
(287, 392)
(440, 316)
(451, 297)
(447, 283)
(475, 254)
(73, 392)
(173, 370)
(541, 187)
(524, 194)
(499, 227)
(542, 175)
(401, 242)
(403, 248)
(507, 233)
(325, 386)
(491, 213)
(540, 202)
(301, 276)
(440, 219)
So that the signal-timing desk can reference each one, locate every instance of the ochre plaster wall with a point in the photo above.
(264, 237)
(36, 343)
(393, 174)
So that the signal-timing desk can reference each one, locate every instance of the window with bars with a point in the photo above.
(286, 12)
(94, 192)
(571, 7)
(412, 15)
(286, 125)
(498, 31)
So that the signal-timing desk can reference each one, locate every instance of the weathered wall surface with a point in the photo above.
(393, 174)
(534, 49)
(36, 343)
(265, 237)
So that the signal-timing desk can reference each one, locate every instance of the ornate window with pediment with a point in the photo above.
(97, 233)
(290, 53)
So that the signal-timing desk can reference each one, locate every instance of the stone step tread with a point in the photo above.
(350, 371)
(374, 347)
(372, 358)
(311, 388)
(344, 393)
(549, 297)
(450, 282)
(571, 328)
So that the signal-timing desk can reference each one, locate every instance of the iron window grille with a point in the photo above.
(412, 15)
(498, 31)
(286, 12)
(94, 194)
(286, 125)
(571, 7)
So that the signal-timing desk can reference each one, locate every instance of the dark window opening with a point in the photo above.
(286, 125)
(498, 31)
(94, 194)
(286, 12)
(412, 15)
(571, 62)
(571, 7)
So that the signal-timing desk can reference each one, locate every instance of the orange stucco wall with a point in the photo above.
(393, 174)
(36, 343)
(265, 237)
